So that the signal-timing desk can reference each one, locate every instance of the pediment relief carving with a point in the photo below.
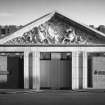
(53, 32)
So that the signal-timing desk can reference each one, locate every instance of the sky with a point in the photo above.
(21, 12)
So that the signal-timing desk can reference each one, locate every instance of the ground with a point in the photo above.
(47, 97)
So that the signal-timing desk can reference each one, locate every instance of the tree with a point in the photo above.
(101, 28)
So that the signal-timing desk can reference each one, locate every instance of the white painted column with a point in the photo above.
(85, 73)
(36, 70)
(26, 70)
(75, 70)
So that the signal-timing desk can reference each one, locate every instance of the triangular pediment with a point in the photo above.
(54, 29)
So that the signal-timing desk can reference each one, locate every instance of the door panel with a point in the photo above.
(55, 74)
(45, 64)
(98, 72)
(12, 69)
(3, 71)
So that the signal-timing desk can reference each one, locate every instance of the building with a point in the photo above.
(53, 52)
(8, 29)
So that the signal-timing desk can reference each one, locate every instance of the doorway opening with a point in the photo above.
(56, 70)
(11, 70)
(96, 70)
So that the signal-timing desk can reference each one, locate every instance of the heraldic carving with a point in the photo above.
(54, 31)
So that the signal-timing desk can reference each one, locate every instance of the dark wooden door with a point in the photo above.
(15, 69)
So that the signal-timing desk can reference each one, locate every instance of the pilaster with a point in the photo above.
(36, 70)
(26, 70)
(75, 70)
(85, 70)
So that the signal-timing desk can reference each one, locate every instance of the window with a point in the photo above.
(65, 56)
(2, 31)
(45, 56)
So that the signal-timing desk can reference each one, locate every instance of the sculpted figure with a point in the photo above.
(70, 36)
(42, 30)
